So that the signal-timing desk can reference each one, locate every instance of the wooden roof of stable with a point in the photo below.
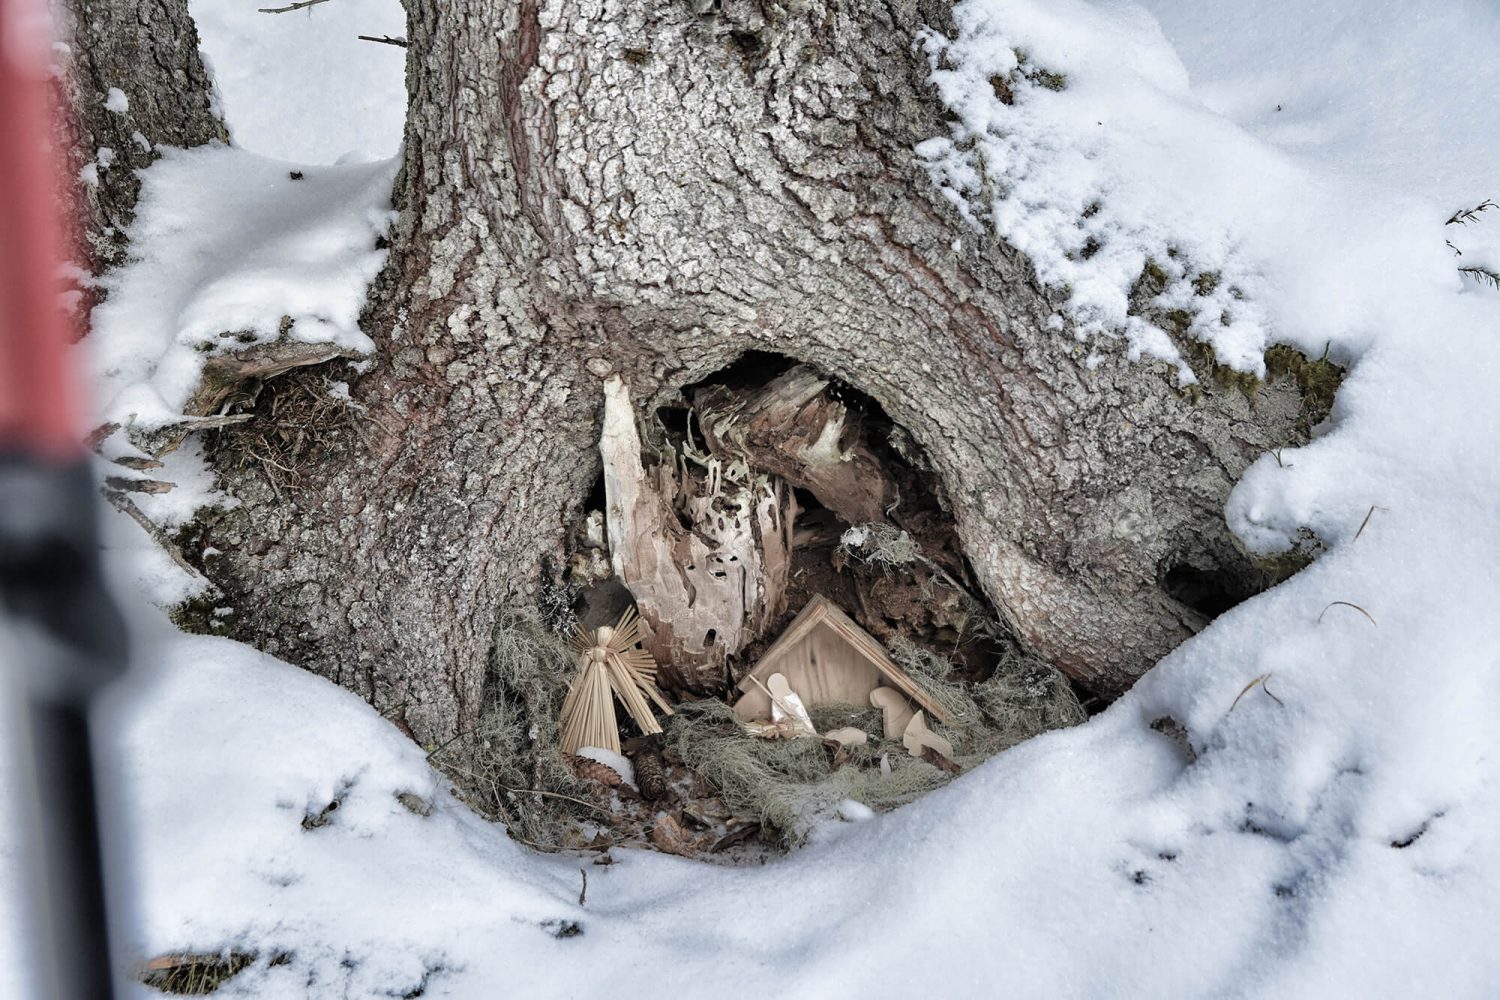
(821, 611)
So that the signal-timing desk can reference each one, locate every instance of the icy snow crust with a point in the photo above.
(1338, 833)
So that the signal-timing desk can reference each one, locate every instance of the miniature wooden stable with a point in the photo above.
(828, 659)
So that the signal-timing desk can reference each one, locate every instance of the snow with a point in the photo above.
(302, 86)
(116, 101)
(618, 763)
(1335, 829)
(228, 249)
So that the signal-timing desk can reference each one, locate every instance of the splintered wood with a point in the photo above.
(706, 590)
(795, 429)
(610, 668)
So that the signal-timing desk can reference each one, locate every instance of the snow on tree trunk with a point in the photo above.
(647, 190)
(130, 78)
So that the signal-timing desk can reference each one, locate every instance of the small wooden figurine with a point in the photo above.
(918, 738)
(829, 660)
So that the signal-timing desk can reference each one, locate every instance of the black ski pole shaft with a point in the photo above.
(66, 637)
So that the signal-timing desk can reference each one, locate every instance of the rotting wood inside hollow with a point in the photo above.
(870, 530)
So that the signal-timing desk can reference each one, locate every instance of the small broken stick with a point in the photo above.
(940, 762)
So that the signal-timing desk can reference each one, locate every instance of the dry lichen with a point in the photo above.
(791, 784)
(510, 767)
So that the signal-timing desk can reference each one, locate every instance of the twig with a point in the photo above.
(290, 7)
(447, 743)
(1366, 521)
(1346, 604)
(510, 829)
(1464, 216)
(557, 795)
(584, 892)
(385, 40)
(1264, 686)
(1483, 275)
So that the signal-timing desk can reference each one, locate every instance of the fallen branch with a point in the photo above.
(126, 506)
(1464, 216)
(296, 6)
(191, 423)
(385, 40)
(122, 484)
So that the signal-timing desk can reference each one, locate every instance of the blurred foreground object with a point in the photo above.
(52, 598)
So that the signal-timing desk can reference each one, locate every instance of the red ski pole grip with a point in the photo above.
(39, 399)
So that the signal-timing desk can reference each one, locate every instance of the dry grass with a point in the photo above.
(198, 974)
(295, 419)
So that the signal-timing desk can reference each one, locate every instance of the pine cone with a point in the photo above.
(592, 770)
(650, 775)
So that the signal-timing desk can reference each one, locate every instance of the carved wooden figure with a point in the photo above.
(896, 711)
(918, 738)
(828, 660)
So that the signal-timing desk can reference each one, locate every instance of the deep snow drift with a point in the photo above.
(1335, 830)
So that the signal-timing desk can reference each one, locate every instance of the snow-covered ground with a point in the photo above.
(1337, 830)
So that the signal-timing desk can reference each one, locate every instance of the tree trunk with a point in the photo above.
(651, 189)
(147, 50)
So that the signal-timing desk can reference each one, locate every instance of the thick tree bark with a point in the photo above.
(651, 188)
(148, 51)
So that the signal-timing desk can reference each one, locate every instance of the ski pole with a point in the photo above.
(53, 600)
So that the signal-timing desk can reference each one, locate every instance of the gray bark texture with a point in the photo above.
(651, 188)
(148, 49)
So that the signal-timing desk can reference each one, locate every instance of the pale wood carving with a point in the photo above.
(850, 737)
(786, 705)
(918, 738)
(896, 711)
(828, 660)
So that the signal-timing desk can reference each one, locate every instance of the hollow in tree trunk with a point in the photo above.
(647, 191)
